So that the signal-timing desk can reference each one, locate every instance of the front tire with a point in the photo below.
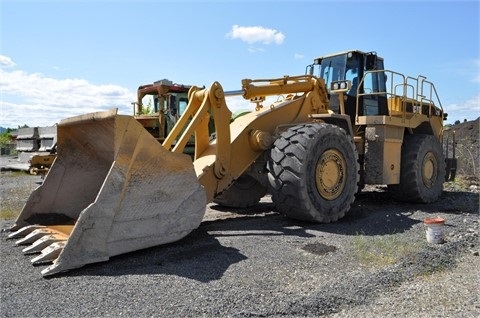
(245, 192)
(422, 170)
(313, 172)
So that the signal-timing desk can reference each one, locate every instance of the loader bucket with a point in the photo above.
(118, 188)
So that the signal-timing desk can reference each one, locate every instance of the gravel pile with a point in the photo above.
(375, 262)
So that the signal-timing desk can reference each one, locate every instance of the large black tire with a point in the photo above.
(422, 170)
(313, 172)
(245, 192)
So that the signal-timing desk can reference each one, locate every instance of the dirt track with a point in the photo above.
(257, 263)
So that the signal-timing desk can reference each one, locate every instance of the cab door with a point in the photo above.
(373, 101)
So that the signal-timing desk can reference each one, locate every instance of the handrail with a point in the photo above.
(417, 91)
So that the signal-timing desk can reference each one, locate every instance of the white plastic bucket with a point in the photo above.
(434, 229)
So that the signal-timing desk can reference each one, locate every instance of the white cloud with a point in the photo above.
(238, 103)
(473, 103)
(298, 56)
(469, 110)
(6, 62)
(255, 49)
(255, 34)
(38, 100)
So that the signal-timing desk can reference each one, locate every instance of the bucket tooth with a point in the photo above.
(43, 243)
(24, 231)
(50, 253)
(35, 235)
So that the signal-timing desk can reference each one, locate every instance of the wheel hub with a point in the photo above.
(429, 170)
(330, 174)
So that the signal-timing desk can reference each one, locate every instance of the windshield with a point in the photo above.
(338, 68)
(333, 69)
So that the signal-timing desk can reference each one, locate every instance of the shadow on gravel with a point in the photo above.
(459, 202)
(376, 213)
(373, 213)
(199, 256)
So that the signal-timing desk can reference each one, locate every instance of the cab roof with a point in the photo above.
(345, 52)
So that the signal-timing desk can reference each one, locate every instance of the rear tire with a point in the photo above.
(245, 192)
(313, 172)
(422, 170)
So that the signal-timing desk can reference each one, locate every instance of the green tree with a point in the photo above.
(5, 138)
(147, 109)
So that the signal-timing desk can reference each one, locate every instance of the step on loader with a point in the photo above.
(114, 188)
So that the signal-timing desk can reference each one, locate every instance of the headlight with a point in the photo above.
(340, 86)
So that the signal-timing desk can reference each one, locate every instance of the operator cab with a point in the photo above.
(159, 105)
(352, 66)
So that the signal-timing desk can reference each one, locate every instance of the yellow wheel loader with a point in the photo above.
(159, 105)
(347, 122)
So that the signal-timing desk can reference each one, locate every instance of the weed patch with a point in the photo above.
(385, 250)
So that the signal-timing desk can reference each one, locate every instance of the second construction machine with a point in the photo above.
(159, 105)
(348, 122)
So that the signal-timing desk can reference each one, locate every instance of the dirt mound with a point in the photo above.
(468, 130)
(468, 148)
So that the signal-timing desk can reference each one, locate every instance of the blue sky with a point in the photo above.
(64, 58)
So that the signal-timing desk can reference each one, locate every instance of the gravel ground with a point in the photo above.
(375, 262)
